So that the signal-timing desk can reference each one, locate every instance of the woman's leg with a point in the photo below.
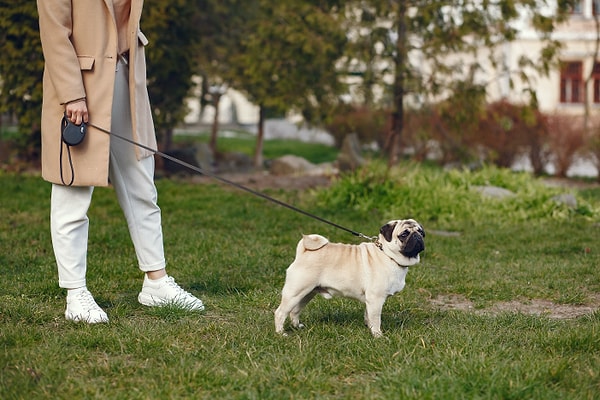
(133, 181)
(69, 226)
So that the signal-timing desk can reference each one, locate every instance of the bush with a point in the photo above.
(461, 130)
(446, 197)
(507, 130)
(566, 137)
(369, 124)
(422, 129)
(593, 142)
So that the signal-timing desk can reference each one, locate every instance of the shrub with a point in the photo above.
(369, 124)
(445, 197)
(592, 146)
(420, 132)
(463, 129)
(566, 137)
(503, 129)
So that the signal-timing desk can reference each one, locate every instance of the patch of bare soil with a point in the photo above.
(264, 180)
(570, 183)
(531, 307)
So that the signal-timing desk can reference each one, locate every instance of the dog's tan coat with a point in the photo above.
(364, 272)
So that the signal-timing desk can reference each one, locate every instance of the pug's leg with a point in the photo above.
(373, 314)
(295, 313)
(291, 299)
(280, 316)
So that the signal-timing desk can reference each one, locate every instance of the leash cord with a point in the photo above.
(62, 145)
(237, 185)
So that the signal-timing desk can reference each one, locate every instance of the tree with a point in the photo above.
(420, 45)
(222, 27)
(21, 69)
(287, 59)
(172, 29)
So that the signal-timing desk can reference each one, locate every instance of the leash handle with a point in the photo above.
(237, 185)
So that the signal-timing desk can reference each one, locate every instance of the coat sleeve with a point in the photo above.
(61, 62)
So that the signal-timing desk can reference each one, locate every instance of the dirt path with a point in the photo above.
(263, 180)
(532, 307)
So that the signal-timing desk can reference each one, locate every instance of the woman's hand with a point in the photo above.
(77, 111)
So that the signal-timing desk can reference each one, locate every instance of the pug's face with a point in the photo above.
(403, 237)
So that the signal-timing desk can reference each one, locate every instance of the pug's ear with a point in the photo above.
(388, 229)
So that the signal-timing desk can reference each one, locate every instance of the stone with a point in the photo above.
(290, 165)
(494, 192)
(567, 199)
(350, 156)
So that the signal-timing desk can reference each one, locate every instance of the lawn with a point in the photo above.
(231, 249)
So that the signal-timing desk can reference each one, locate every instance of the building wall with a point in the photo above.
(578, 37)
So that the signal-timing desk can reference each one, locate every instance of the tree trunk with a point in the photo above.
(258, 151)
(168, 138)
(399, 82)
(215, 125)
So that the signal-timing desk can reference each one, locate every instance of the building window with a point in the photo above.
(582, 7)
(571, 79)
(596, 82)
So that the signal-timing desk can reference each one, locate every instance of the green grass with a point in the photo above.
(273, 148)
(232, 249)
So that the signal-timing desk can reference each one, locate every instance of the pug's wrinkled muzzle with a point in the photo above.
(414, 245)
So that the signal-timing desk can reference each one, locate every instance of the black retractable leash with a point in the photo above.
(227, 181)
(70, 135)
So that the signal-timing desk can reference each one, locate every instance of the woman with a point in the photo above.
(95, 71)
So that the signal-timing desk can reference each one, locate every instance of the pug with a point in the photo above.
(369, 272)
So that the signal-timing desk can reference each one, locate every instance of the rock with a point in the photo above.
(350, 156)
(198, 155)
(494, 192)
(567, 199)
(204, 156)
(290, 165)
(234, 162)
(187, 155)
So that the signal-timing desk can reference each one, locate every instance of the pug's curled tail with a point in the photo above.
(311, 242)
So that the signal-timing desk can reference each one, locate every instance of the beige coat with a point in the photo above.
(79, 41)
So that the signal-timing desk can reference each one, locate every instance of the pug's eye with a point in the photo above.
(404, 234)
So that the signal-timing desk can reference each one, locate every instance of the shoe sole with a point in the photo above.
(150, 301)
(79, 318)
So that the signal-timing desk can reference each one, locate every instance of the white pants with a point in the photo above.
(133, 182)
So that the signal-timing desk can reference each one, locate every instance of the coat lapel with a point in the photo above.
(111, 9)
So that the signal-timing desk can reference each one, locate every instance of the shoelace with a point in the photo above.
(87, 301)
(170, 281)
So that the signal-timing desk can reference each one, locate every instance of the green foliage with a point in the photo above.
(172, 30)
(449, 199)
(21, 69)
(288, 55)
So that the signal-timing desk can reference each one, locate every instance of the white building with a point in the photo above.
(564, 89)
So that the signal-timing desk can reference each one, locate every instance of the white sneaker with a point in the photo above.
(165, 291)
(81, 306)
